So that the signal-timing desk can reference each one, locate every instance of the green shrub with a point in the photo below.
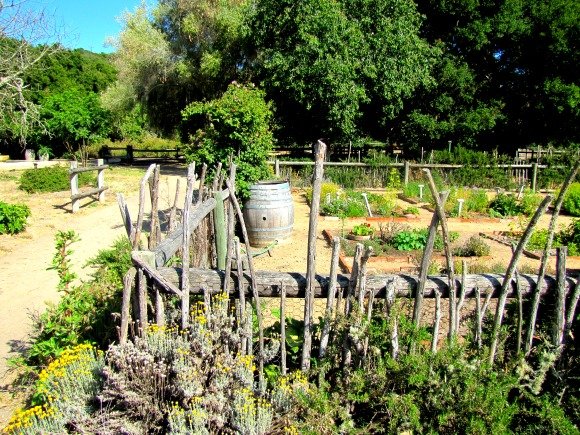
(410, 240)
(530, 202)
(571, 204)
(51, 179)
(328, 192)
(505, 205)
(238, 125)
(477, 201)
(13, 217)
(475, 246)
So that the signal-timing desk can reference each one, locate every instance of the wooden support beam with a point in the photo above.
(268, 283)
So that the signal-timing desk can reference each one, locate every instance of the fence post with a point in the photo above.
(74, 187)
(534, 176)
(406, 173)
(277, 168)
(130, 153)
(101, 180)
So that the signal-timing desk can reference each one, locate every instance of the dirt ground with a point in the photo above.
(26, 284)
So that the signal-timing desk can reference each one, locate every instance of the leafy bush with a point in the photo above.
(477, 201)
(530, 202)
(13, 217)
(475, 246)
(51, 179)
(363, 229)
(328, 192)
(505, 205)
(410, 240)
(571, 204)
(84, 312)
(237, 125)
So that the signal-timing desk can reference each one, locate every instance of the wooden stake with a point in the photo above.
(389, 302)
(155, 233)
(255, 293)
(241, 288)
(510, 273)
(462, 291)
(572, 307)
(201, 184)
(545, 255)
(282, 329)
(440, 209)
(559, 318)
(330, 298)
(231, 218)
(425, 261)
(128, 281)
(362, 278)
(173, 213)
(139, 227)
(320, 152)
(126, 216)
(185, 247)
(142, 300)
(353, 281)
(437, 321)
(478, 328)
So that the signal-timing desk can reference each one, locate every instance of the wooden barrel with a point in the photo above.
(269, 213)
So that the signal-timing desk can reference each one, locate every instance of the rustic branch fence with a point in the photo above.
(75, 194)
(152, 280)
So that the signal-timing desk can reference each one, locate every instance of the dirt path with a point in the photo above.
(26, 284)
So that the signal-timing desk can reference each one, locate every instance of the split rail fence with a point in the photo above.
(204, 241)
(75, 194)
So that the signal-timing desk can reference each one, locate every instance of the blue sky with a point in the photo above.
(86, 23)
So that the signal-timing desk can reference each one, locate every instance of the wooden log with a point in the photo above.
(461, 295)
(168, 247)
(560, 315)
(389, 302)
(86, 193)
(362, 277)
(185, 241)
(201, 184)
(544, 262)
(405, 285)
(353, 280)
(425, 261)
(507, 282)
(141, 213)
(128, 281)
(320, 153)
(76, 170)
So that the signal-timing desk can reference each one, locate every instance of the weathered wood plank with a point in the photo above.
(87, 169)
(268, 283)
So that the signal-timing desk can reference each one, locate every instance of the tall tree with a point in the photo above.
(327, 63)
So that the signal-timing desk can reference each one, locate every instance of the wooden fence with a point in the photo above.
(130, 151)
(75, 195)
(152, 279)
(522, 173)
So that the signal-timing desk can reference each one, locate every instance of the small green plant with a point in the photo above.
(505, 205)
(51, 179)
(13, 217)
(410, 240)
(44, 150)
(328, 193)
(411, 210)
(363, 229)
(475, 246)
(571, 204)
(61, 259)
(477, 201)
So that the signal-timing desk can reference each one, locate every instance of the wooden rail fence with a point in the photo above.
(521, 172)
(75, 194)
